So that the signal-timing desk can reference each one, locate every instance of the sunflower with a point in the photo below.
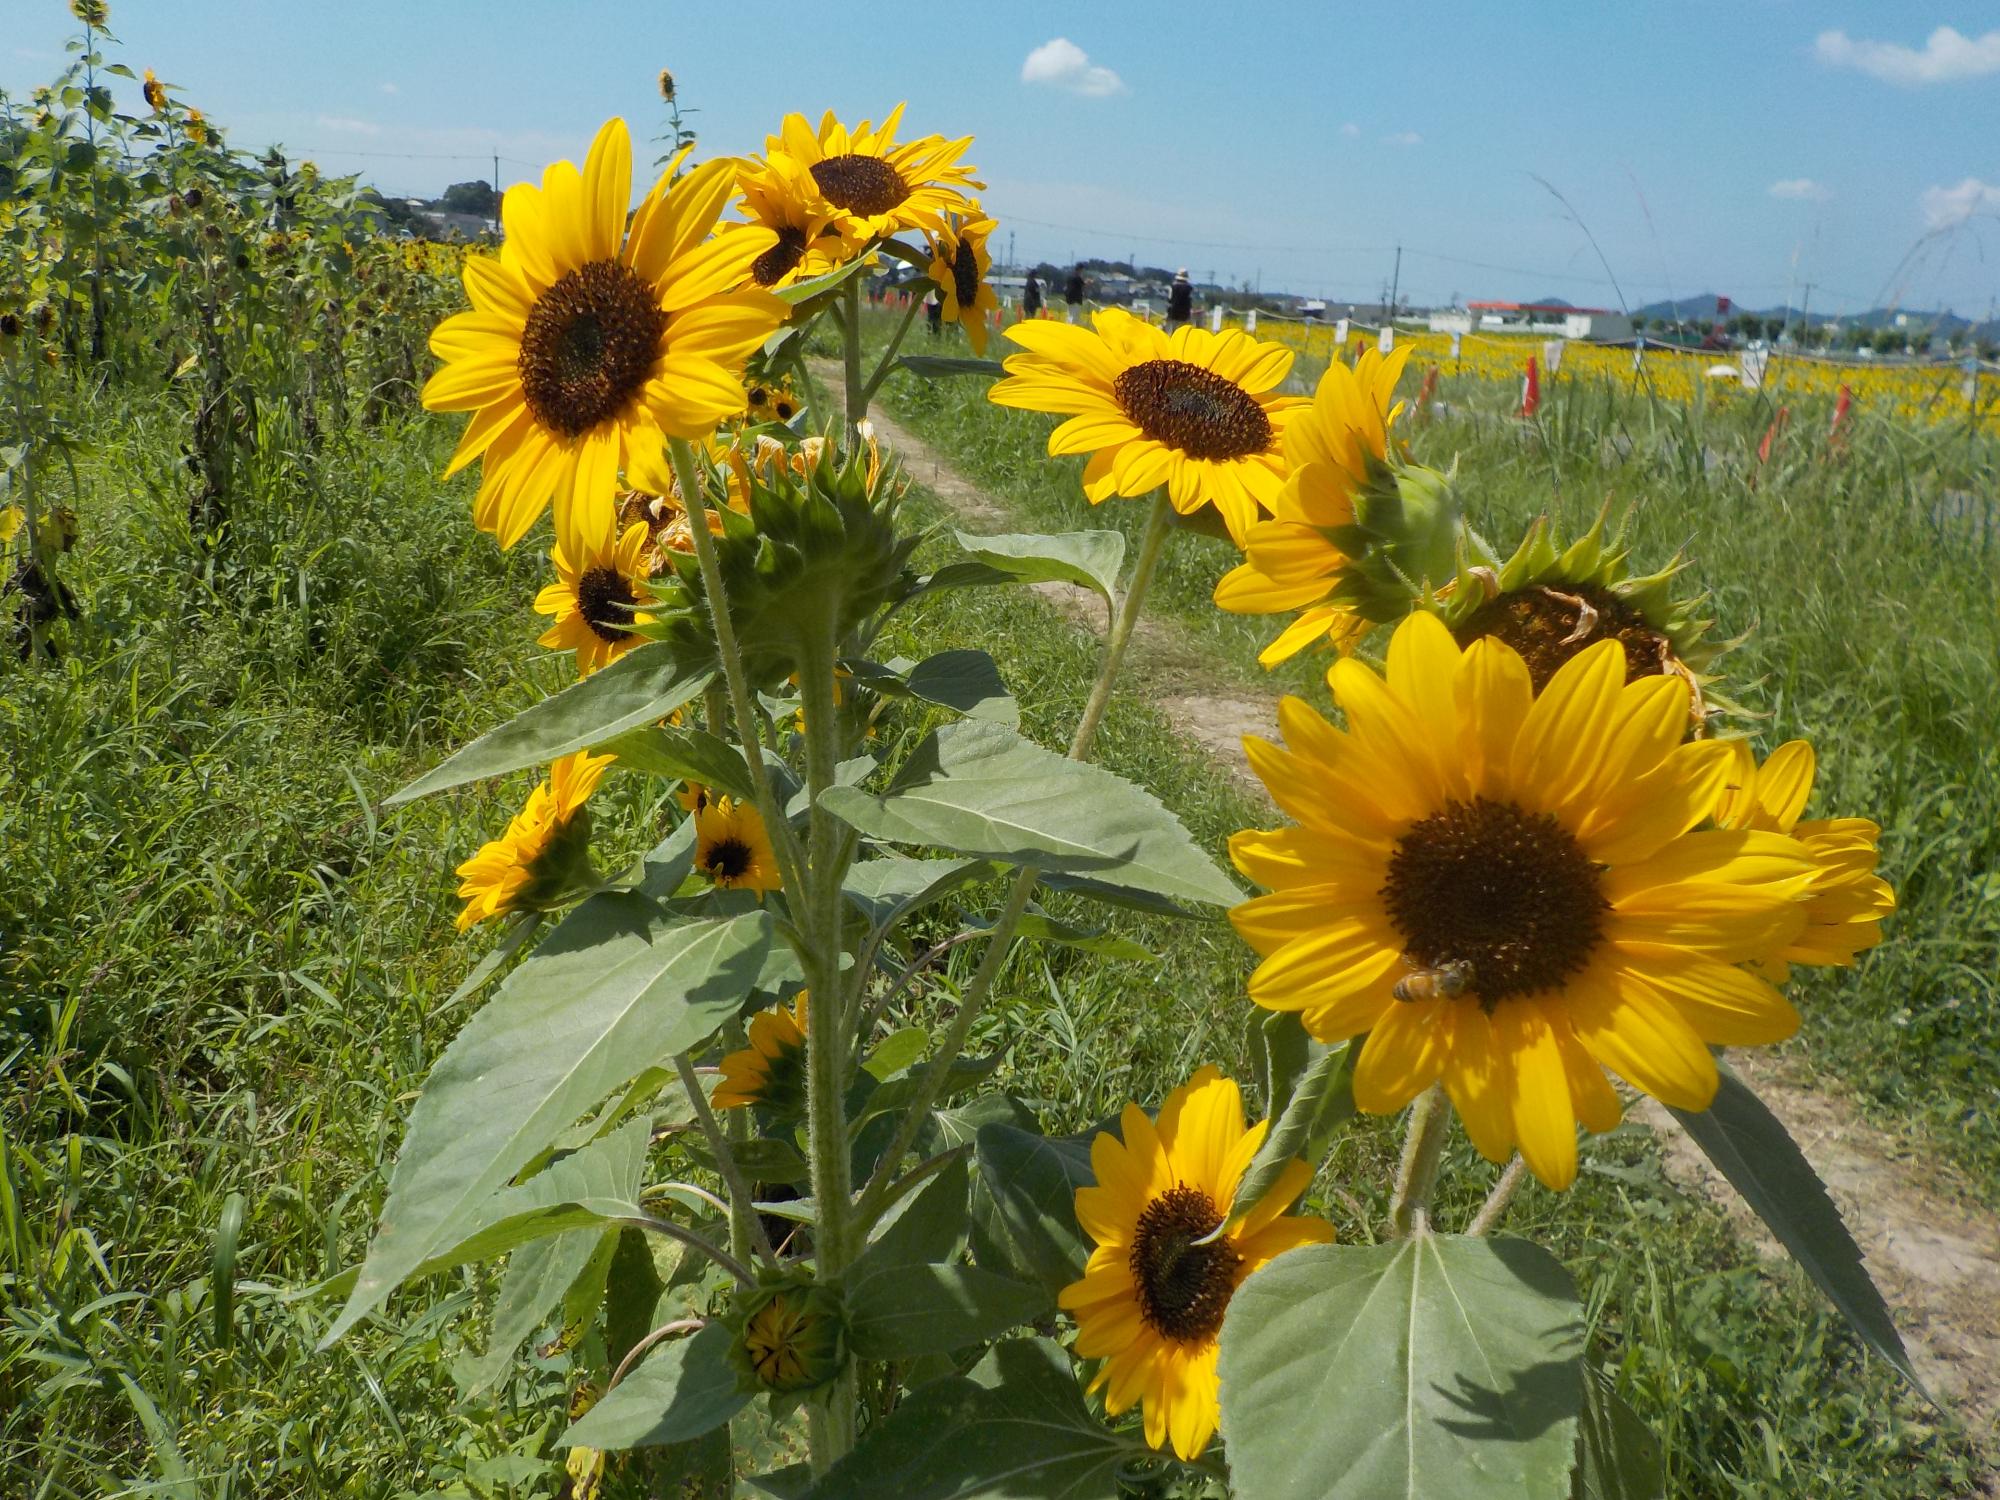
(1335, 449)
(1848, 900)
(1153, 1292)
(771, 1071)
(155, 92)
(583, 348)
(872, 186)
(1192, 410)
(732, 848)
(959, 263)
(543, 859)
(594, 598)
(772, 400)
(1506, 890)
(779, 195)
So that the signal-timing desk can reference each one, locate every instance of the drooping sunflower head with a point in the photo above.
(666, 82)
(959, 265)
(733, 848)
(1153, 1293)
(589, 340)
(596, 599)
(779, 195)
(1848, 900)
(1510, 891)
(771, 1072)
(542, 861)
(871, 186)
(1193, 410)
(1550, 601)
(155, 92)
(92, 13)
(790, 1334)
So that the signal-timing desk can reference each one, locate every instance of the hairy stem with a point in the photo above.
(1495, 1206)
(1157, 525)
(1430, 1119)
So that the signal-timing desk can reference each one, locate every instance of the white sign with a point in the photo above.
(1250, 321)
(1454, 346)
(1639, 351)
(1340, 334)
(1215, 320)
(1386, 340)
(1552, 354)
(1751, 362)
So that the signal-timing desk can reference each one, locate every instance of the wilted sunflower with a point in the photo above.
(1192, 410)
(595, 597)
(959, 263)
(1336, 449)
(1153, 1292)
(543, 859)
(873, 186)
(1848, 900)
(771, 1071)
(584, 347)
(779, 195)
(732, 847)
(1506, 890)
(155, 92)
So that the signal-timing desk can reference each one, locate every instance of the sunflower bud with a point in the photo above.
(10, 325)
(194, 197)
(666, 86)
(790, 1336)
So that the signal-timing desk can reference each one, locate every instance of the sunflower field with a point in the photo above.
(568, 930)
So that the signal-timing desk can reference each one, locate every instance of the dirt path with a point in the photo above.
(1934, 1253)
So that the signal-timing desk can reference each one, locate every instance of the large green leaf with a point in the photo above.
(643, 685)
(968, 681)
(1089, 558)
(1032, 1180)
(682, 1390)
(1017, 1428)
(887, 890)
(618, 986)
(539, 1275)
(924, 1226)
(1430, 1366)
(1320, 1104)
(689, 754)
(910, 1310)
(1616, 1457)
(936, 366)
(981, 790)
(1752, 1148)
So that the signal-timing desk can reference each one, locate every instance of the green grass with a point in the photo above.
(221, 976)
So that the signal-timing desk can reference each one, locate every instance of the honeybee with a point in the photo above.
(1445, 982)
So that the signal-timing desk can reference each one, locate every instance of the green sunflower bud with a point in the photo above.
(790, 1335)
(1402, 540)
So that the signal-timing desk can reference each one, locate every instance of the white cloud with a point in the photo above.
(1946, 207)
(1803, 188)
(347, 125)
(388, 88)
(1064, 65)
(1403, 138)
(1946, 55)
(1350, 130)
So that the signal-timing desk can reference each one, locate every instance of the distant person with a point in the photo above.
(1073, 295)
(1031, 297)
(934, 314)
(1180, 300)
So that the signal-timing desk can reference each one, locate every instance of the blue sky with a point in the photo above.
(1745, 148)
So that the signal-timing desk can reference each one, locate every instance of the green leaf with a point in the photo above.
(815, 287)
(1017, 1427)
(682, 1390)
(685, 754)
(924, 1226)
(982, 790)
(1752, 1149)
(1280, 1053)
(1033, 1181)
(617, 986)
(934, 1309)
(936, 366)
(538, 1276)
(1107, 894)
(1430, 1366)
(896, 1093)
(1039, 927)
(643, 685)
(897, 1051)
(1321, 1104)
(1616, 1457)
(888, 889)
(968, 681)
(1091, 559)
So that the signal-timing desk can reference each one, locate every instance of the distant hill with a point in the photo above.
(1702, 309)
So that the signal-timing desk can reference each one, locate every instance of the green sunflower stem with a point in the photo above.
(745, 1228)
(1430, 1119)
(857, 397)
(715, 708)
(888, 356)
(1158, 523)
(1495, 1206)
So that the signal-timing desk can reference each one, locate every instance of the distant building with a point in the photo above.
(1547, 318)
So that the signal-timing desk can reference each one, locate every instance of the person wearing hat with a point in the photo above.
(1073, 294)
(1180, 300)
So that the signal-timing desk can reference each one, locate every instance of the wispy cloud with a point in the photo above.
(1351, 130)
(1801, 188)
(1403, 138)
(1946, 56)
(388, 88)
(1947, 207)
(1063, 65)
(347, 125)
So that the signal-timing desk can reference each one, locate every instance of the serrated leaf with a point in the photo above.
(1091, 559)
(685, 754)
(1322, 1102)
(682, 1390)
(982, 790)
(1430, 1366)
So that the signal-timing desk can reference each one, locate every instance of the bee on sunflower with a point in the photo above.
(959, 265)
(596, 597)
(542, 861)
(871, 186)
(1154, 1291)
(732, 847)
(770, 1073)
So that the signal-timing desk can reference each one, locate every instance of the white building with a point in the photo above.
(1549, 319)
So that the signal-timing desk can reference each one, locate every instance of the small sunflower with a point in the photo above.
(732, 847)
(1192, 410)
(1153, 1292)
(155, 92)
(1507, 890)
(12, 518)
(771, 1071)
(590, 341)
(779, 195)
(1847, 900)
(1337, 450)
(543, 859)
(772, 400)
(595, 598)
(874, 187)
(959, 264)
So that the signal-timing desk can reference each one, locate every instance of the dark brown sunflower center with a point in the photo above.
(965, 274)
(860, 184)
(1192, 409)
(1503, 899)
(605, 601)
(728, 859)
(783, 258)
(1184, 1287)
(1548, 625)
(589, 345)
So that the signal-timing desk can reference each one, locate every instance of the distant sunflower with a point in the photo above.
(1192, 410)
(874, 187)
(543, 859)
(1847, 900)
(772, 400)
(155, 92)
(595, 598)
(1506, 890)
(589, 341)
(771, 1072)
(959, 265)
(1153, 1292)
(780, 196)
(732, 847)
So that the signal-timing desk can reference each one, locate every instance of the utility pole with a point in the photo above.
(1395, 285)
(496, 192)
(1010, 250)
